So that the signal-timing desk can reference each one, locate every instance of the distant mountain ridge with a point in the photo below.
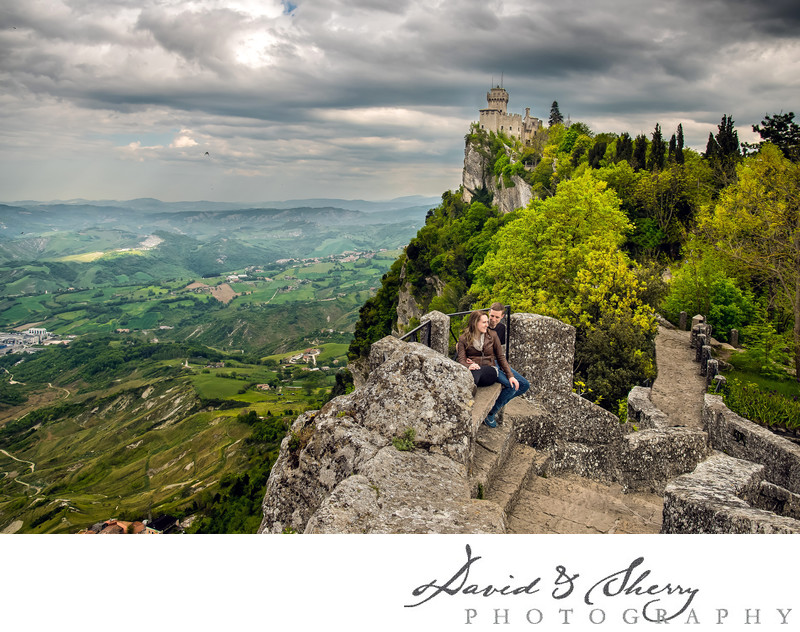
(155, 205)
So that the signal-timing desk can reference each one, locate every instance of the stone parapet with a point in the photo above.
(542, 349)
(648, 459)
(642, 413)
(406, 492)
(710, 500)
(440, 331)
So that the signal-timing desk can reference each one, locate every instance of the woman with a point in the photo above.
(479, 350)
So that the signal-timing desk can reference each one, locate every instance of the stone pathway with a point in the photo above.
(679, 388)
(572, 504)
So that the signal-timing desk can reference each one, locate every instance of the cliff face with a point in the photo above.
(476, 175)
(407, 307)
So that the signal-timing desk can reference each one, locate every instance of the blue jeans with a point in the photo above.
(508, 393)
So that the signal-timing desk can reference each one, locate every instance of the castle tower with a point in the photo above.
(497, 99)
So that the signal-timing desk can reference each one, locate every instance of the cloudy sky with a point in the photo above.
(254, 100)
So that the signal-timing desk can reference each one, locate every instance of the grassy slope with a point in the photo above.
(148, 445)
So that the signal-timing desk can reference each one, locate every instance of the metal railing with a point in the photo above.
(422, 333)
(417, 332)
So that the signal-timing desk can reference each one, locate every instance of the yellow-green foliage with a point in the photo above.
(561, 258)
(755, 226)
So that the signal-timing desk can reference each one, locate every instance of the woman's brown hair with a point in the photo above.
(471, 328)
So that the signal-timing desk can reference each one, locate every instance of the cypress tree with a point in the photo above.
(639, 152)
(624, 148)
(555, 115)
(711, 147)
(727, 139)
(679, 148)
(723, 152)
(655, 161)
(673, 148)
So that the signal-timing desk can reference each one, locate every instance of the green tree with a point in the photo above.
(781, 131)
(723, 151)
(561, 258)
(555, 115)
(671, 199)
(679, 145)
(765, 346)
(596, 153)
(655, 161)
(639, 158)
(756, 225)
(624, 148)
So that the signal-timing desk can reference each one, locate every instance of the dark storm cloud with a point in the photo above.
(780, 18)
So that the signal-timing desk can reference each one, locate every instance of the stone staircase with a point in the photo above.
(501, 467)
(519, 479)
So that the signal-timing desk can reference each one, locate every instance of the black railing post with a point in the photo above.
(508, 329)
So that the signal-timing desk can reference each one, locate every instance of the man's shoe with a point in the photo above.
(489, 421)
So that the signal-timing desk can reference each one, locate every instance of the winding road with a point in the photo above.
(33, 469)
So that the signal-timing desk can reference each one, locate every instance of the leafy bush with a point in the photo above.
(612, 357)
(730, 307)
(767, 350)
(699, 287)
(767, 407)
(405, 442)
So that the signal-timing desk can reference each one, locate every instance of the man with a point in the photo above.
(514, 384)
(496, 313)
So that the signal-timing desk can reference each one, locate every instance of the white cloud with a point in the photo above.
(183, 140)
(136, 151)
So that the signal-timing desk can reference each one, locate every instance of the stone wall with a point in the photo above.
(743, 439)
(581, 437)
(542, 349)
(712, 500)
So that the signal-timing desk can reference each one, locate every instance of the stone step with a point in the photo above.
(522, 464)
(492, 447)
(569, 503)
(483, 400)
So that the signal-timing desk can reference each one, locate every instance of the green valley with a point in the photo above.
(175, 363)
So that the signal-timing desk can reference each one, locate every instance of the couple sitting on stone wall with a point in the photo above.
(480, 349)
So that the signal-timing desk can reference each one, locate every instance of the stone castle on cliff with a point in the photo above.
(496, 118)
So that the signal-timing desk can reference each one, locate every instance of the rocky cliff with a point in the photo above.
(477, 175)
(339, 470)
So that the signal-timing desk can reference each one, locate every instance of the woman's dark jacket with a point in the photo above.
(491, 354)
